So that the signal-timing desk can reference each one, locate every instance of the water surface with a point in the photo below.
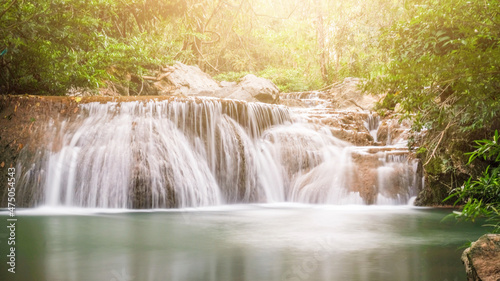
(240, 242)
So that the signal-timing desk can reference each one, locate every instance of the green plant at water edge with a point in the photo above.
(481, 197)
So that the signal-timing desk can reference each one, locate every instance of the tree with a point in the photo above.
(444, 72)
(50, 46)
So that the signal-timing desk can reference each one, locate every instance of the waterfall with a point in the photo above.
(398, 178)
(372, 124)
(201, 152)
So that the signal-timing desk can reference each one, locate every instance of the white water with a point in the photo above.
(199, 152)
(372, 125)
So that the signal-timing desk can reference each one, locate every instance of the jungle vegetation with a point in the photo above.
(48, 46)
(436, 62)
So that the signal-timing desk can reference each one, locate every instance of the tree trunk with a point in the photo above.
(320, 36)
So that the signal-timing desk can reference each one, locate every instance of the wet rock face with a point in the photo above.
(346, 125)
(482, 259)
(365, 180)
(385, 173)
(392, 132)
(343, 107)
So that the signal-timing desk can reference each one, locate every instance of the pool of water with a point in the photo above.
(240, 242)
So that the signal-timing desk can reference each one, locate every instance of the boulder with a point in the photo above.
(181, 79)
(482, 259)
(188, 80)
(347, 95)
(250, 88)
(260, 88)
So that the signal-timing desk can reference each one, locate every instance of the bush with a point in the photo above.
(291, 79)
(481, 197)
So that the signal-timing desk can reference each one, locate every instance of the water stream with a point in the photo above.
(282, 242)
(205, 152)
(229, 191)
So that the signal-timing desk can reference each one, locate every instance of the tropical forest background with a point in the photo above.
(436, 62)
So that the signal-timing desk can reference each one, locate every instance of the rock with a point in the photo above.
(225, 84)
(240, 94)
(260, 88)
(482, 259)
(79, 92)
(387, 171)
(353, 136)
(226, 90)
(188, 80)
(365, 179)
(347, 126)
(348, 96)
(181, 79)
(250, 88)
(392, 132)
(293, 103)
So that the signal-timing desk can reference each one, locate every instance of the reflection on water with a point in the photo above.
(258, 242)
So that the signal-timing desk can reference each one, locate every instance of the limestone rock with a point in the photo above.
(187, 80)
(260, 88)
(181, 79)
(482, 259)
(250, 88)
(387, 171)
(348, 96)
(346, 125)
(365, 180)
(392, 132)
(240, 94)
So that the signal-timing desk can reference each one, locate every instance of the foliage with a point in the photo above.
(51, 46)
(48, 47)
(443, 73)
(287, 79)
(481, 197)
(445, 64)
(290, 79)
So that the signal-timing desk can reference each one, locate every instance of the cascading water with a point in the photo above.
(372, 124)
(200, 152)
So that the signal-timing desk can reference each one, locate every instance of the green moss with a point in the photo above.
(434, 167)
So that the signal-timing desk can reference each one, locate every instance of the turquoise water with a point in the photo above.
(240, 242)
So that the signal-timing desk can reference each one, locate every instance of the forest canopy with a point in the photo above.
(49, 46)
(436, 62)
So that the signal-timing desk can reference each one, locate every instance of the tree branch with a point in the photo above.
(273, 17)
(203, 57)
(8, 8)
(437, 145)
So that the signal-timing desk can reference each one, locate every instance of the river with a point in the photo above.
(285, 241)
